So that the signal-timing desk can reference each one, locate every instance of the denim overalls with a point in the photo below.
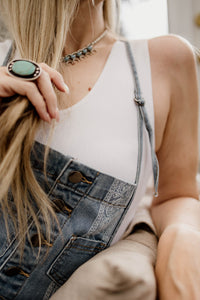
(90, 207)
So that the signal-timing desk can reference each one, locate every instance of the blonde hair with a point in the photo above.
(38, 29)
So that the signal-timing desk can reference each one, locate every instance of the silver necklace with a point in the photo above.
(78, 55)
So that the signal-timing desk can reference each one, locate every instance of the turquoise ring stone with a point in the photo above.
(24, 69)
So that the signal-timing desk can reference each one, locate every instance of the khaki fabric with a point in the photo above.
(124, 271)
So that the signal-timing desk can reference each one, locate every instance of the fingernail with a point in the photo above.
(66, 88)
(48, 119)
(57, 115)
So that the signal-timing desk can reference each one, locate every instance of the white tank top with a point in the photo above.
(101, 130)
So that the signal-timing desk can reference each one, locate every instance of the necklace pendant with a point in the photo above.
(82, 53)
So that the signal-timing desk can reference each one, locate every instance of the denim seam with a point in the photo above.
(86, 247)
(58, 180)
(68, 247)
(14, 251)
(77, 191)
(82, 194)
(74, 189)
(60, 174)
(102, 200)
(50, 290)
(8, 247)
(131, 199)
(87, 250)
(21, 287)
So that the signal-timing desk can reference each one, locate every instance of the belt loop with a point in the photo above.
(61, 173)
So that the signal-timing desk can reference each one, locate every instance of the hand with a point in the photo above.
(40, 92)
(178, 261)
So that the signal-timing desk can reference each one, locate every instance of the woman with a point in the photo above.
(55, 220)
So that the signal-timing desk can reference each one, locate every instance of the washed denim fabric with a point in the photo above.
(90, 207)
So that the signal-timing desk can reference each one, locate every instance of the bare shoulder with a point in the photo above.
(173, 74)
(173, 57)
(172, 50)
(175, 93)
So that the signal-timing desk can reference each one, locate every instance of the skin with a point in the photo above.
(176, 212)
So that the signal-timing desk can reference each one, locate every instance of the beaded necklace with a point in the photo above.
(84, 52)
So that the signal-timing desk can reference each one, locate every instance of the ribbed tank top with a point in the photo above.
(101, 130)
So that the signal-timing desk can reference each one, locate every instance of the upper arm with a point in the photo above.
(176, 116)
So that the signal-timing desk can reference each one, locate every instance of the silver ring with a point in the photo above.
(24, 69)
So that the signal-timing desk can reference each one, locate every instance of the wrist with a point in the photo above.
(180, 228)
(178, 252)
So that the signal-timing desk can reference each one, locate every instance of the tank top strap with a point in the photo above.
(143, 120)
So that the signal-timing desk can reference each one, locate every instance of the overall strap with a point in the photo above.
(143, 119)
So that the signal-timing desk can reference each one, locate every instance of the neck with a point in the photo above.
(86, 27)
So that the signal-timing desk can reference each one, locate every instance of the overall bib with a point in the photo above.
(90, 207)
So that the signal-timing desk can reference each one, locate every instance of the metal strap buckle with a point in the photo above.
(140, 102)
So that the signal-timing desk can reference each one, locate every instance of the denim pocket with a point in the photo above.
(77, 251)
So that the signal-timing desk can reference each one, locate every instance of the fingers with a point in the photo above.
(44, 83)
(40, 92)
(9, 87)
(56, 78)
(49, 97)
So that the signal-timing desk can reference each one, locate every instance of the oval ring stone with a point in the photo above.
(23, 68)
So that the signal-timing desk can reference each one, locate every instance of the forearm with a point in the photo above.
(177, 266)
(176, 212)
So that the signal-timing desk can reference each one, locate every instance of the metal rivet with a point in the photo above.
(13, 271)
(75, 177)
(58, 205)
(35, 241)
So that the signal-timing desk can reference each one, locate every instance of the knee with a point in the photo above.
(136, 279)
